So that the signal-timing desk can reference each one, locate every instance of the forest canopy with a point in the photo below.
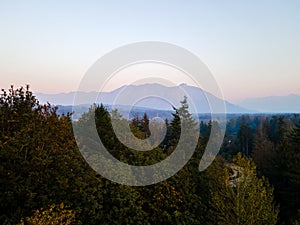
(255, 179)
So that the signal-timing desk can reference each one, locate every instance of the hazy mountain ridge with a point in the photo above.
(196, 97)
(274, 104)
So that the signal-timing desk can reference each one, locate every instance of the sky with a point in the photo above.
(251, 47)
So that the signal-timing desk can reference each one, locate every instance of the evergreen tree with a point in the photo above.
(263, 148)
(295, 138)
(145, 126)
(175, 129)
(245, 138)
(241, 197)
(182, 115)
(284, 175)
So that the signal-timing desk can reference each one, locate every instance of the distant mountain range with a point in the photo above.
(274, 104)
(196, 97)
(153, 96)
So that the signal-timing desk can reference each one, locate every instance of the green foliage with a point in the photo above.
(263, 148)
(242, 198)
(41, 170)
(284, 174)
(276, 154)
(40, 163)
(55, 215)
(245, 138)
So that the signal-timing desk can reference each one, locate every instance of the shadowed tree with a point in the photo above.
(245, 138)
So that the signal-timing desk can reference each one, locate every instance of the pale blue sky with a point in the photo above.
(251, 47)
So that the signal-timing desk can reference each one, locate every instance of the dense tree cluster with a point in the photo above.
(45, 180)
(273, 143)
